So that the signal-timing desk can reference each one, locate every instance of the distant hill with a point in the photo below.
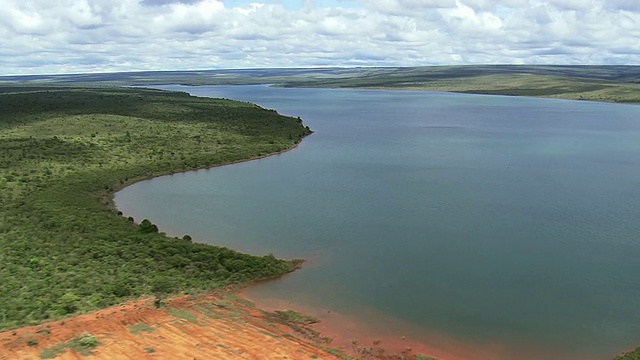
(610, 83)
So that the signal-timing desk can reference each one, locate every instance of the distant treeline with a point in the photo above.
(611, 83)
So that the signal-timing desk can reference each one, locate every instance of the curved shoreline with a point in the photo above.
(84, 144)
(331, 325)
(231, 163)
(120, 186)
(388, 336)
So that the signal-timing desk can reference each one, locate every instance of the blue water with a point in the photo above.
(487, 219)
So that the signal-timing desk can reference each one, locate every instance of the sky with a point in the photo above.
(80, 36)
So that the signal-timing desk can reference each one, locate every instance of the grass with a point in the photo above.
(140, 327)
(207, 311)
(338, 353)
(53, 352)
(235, 298)
(64, 248)
(293, 317)
(184, 314)
(83, 345)
(424, 357)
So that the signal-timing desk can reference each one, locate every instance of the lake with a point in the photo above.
(503, 223)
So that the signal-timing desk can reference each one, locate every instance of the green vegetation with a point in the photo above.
(293, 317)
(140, 327)
(338, 353)
(83, 345)
(424, 357)
(184, 314)
(207, 311)
(64, 249)
(633, 355)
(53, 352)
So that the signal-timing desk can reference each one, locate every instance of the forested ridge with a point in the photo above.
(64, 249)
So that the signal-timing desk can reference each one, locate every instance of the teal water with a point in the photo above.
(482, 218)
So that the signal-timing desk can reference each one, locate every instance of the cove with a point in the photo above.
(494, 221)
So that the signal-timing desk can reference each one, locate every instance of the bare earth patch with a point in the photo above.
(216, 326)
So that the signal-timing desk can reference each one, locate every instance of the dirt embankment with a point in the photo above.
(217, 326)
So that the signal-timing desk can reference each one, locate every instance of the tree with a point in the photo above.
(147, 226)
(69, 303)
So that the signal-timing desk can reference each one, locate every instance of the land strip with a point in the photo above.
(606, 83)
(593, 83)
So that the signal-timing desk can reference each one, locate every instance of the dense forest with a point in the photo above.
(64, 248)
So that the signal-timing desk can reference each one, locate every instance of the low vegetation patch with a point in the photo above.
(633, 355)
(140, 327)
(184, 314)
(82, 345)
(64, 249)
(53, 352)
(425, 357)
(293, 317)
(340, 354)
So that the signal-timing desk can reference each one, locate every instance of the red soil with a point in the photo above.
(222, 326)
(212, 327)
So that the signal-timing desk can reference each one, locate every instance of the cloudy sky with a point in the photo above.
(71, 36)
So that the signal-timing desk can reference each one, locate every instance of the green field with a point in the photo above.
(64, 249)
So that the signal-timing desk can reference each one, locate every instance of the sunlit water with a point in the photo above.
(489, 220)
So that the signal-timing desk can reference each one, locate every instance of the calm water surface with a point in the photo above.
(486, 219)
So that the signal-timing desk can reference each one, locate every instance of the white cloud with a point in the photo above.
(41, 36)
(406, 7)
(628, 5)
(580, 5)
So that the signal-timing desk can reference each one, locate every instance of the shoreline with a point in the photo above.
(349, 335)
(116, 138)
(361, 338)
(226, 324)
(344, 340)
(371, 334)
(110, 195)
(398, 346)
